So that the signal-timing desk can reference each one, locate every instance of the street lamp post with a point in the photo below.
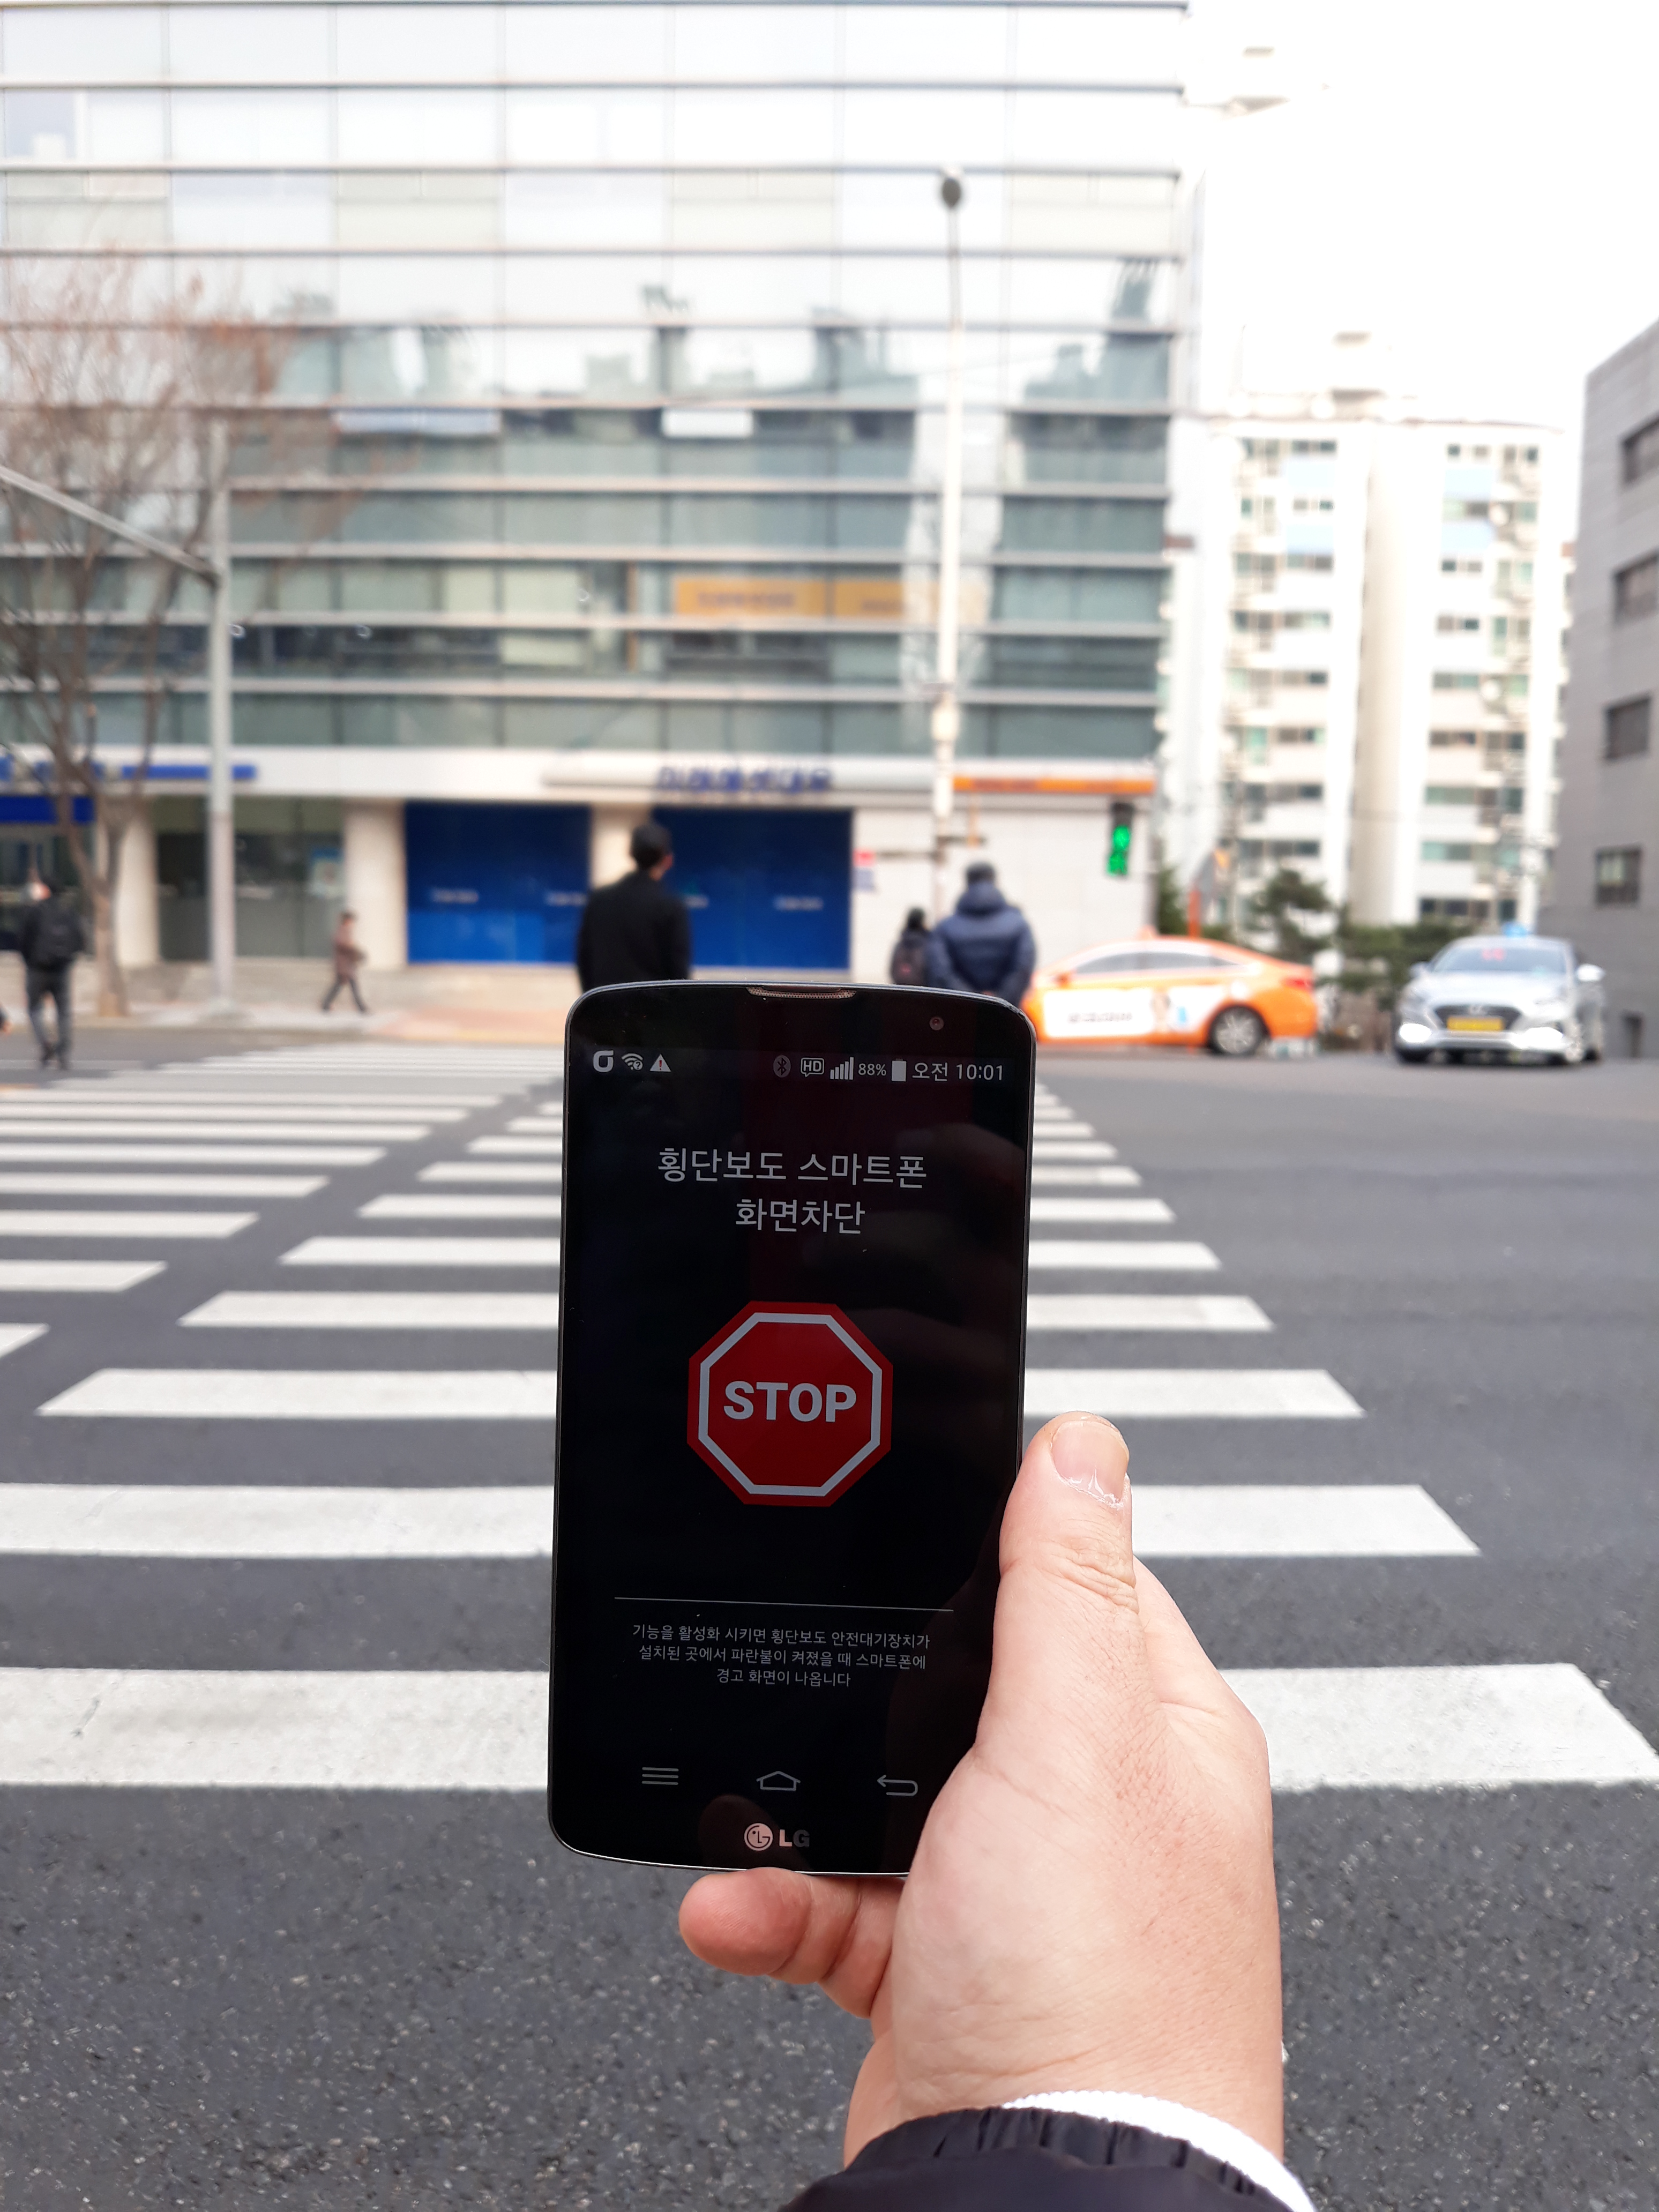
(947, 709)
(215, 571)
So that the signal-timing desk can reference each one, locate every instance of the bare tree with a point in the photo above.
(110, 397)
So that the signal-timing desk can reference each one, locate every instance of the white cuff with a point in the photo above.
(1216, 2139)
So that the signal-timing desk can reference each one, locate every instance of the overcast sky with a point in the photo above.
(1478, 187)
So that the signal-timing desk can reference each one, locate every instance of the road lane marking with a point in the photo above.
(1406, 1728)
(536, 1147)
(1238, 1315)
(209, 1132)
(22, 1222)
(1075, 1177)
(195, 1521)
(1123, 1253)
(69, 1185)
(142, 1106)
(257, 1393)
(225, 1154)
(1238, 1393)
(459, 1205)
(1064, 1148)
(1441, 1728)
(1288, 1520)
(13, 1336)
(85, 1275)
(331, 1309)
(1100, 1209)
(424, 1252)
(487, 1171)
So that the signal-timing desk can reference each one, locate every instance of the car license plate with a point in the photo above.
(1473, 1022)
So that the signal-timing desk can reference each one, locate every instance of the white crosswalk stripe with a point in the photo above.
(1081, 1311)
(1048, 1176)
(168, 1227)
(1247, 1393)
(1054, 1149)
(257, 1393)
(1123, 1255)
(227, 1155)
(68, 1184)
(83, 1276)
(331, 1309)
(459, 1205)
(1049, 1210)
(424, 1252)
(146, 1109)
(528, 1147)
(1356, 1728)
(202, 1133)
(487, 1171)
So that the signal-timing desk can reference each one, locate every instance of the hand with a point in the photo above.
(1092, 1904)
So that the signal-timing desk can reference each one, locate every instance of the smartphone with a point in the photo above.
(791, 1351)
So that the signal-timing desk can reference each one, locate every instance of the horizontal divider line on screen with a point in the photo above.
(188, 1520)
(1360, 1728)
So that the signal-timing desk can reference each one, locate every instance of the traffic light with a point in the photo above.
(1117, 844)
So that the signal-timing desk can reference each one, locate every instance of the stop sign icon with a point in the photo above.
(789, 1404)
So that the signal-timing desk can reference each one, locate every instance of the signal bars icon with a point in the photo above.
(841, 1072)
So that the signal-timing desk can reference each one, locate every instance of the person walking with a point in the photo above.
(636, 930)
(51, 938)
(909, 962)
(986, 945)
(349, 958)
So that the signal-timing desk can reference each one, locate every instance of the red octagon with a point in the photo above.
(789, 1404)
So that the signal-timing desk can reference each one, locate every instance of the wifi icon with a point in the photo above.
(634, 1060)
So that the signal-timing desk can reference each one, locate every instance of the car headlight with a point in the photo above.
(1550, 1010)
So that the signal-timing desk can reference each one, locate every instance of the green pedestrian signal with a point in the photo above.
(1118, 843)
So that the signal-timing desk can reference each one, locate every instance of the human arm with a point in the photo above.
(1093, 1905)
(677, 933)
(943, 973)
(1016, 977)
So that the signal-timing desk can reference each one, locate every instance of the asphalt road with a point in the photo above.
(384, 1999)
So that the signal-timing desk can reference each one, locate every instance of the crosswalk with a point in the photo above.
(441, 1207)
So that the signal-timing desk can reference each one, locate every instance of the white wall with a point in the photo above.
(610, 829)
(376, 882)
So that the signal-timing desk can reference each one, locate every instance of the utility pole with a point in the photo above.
(221, 821)
(947, 709)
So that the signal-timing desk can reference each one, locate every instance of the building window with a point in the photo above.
(1463, 568)
(1639, 453)
(1447, 739)
(1436, 848)
(1455, 681)
(1452, 794)
(1619, 875)
(1451, 910)
(1300, 737)
(1636, 590)
(1318, 563)
(1626, 729)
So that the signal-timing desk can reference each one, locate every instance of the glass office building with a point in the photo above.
(610, 344)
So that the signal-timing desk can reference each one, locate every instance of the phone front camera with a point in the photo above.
(937, 1023)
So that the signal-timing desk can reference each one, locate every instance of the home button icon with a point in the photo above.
(777, 1782)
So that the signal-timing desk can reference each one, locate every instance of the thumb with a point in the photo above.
(1072, 1692)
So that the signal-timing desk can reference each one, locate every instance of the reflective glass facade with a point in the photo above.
(616, 335)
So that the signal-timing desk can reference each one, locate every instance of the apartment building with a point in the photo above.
(1604, 894)
(619, 333)
(1377, 705)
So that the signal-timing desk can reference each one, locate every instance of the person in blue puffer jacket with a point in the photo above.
(986, 945)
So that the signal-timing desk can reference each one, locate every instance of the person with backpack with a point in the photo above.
(909, 962)
(50, 937)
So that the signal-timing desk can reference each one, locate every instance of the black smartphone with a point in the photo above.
(791, 1348)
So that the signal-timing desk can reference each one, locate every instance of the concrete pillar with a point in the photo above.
(377, 888)
(610, 828)
(137, 908)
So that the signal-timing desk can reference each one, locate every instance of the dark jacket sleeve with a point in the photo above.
(943, 972)
(80, 935)
(28, 929)
(1016, 978)
(1032, 2161)
(584, 959)
(676, 940)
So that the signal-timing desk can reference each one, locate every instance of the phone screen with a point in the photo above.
(791, 1343)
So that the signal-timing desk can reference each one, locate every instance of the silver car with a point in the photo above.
(1526, 998)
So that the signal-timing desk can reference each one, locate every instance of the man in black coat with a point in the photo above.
(50, 937)
(636, 930)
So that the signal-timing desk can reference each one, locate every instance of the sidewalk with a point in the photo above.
(427, 1006)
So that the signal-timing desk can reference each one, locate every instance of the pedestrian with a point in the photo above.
(909, 962)
(50, 937)
(986, 945)
(1074, 1997)
(636, 930)
(349, 958)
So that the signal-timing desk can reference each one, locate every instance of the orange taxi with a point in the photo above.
(1173, 990)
